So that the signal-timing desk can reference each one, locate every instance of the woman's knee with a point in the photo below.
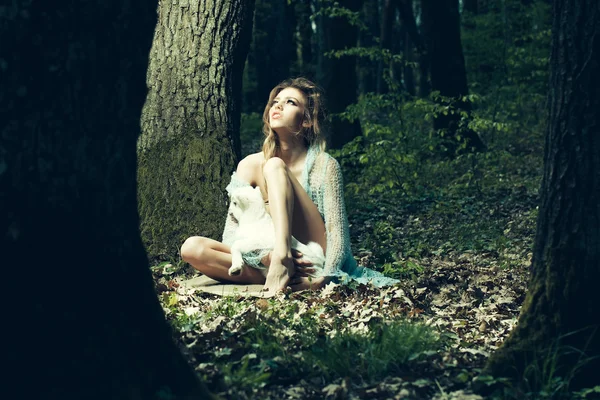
(274, 165)
(193, 249)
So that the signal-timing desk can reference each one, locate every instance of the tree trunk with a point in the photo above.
(367, 69)
(388, 17)
(90, 324)
(303, 21)
(408, 74)
(272, 50)
(563, 296)
(470, 6)
(447, 68)
(405, 7)
(409, 21)
(338, 76)
(190, 122)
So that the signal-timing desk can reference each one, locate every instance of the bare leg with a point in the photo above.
(281, 204)
(213, 259)
(293, 212)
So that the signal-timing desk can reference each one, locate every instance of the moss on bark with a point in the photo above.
(182, 192)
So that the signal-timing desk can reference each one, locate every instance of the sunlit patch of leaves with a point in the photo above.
(359, 339)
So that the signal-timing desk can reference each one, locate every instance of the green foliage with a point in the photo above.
(384, 243)
(400, 152)
(544, 375)
(332, 9)
(269, 341)
(455, 201)
(372, 355)
(506, 53)
(371, 53)
(458, 203)
(242, 374)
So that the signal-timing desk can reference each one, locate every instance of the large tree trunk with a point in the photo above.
(338, 75)
(447, 68)
(563, 296)
(190, 122)
(72, 92)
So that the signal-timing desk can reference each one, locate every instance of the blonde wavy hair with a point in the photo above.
(314, 114)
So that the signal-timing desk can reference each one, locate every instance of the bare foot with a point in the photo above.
(280, 272)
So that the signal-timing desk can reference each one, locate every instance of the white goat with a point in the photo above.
(256, 232)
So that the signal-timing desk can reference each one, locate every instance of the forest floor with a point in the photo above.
(463, 262)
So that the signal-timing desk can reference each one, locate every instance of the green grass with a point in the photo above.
(543, 376)
(385, 349)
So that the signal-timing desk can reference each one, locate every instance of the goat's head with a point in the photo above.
(246, 203)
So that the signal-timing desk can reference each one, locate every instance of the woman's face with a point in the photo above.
(286, 112)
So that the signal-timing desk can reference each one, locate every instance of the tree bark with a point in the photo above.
(405, 7)
(563, 297)
(409, 21)
(447, 68)
(88, 320)
(367, 69)
(388, 17)
(396, 36)
(190, 122)
(408, 74)
(338, 76)
(305, 34)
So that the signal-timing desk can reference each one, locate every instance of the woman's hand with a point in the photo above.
(303, 279)
(279, 278)
(303, 267)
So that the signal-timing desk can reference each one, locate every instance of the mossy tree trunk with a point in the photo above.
(190, 122)
(84, 309)
(563, 296)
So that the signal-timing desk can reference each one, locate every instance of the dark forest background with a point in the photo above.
(438, 107)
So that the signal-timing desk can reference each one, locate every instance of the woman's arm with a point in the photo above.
(336, 220)
(249, 168)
